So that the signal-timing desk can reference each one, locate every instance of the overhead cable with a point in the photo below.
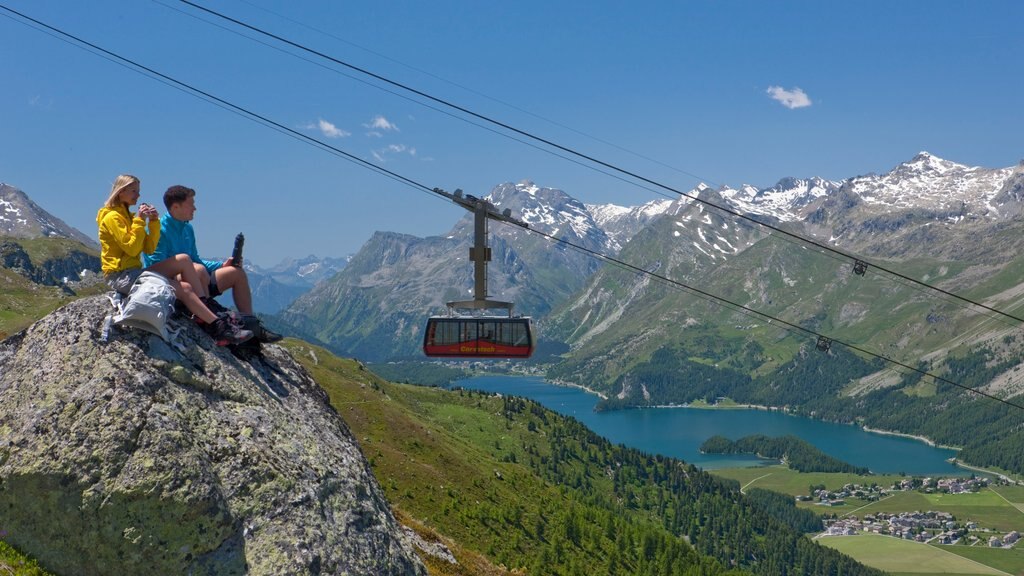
(265, 121)
(594, 160)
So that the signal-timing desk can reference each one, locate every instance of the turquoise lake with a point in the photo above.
(679, 432)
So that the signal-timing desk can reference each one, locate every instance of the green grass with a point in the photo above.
(14, 563)
(455, 467)
(22, 302)
(905, 557)
(782, 479)
(1008, 560)
(986, 508)
(1015, 494)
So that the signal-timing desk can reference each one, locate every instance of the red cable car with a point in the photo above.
(468, 336)
(478, 337)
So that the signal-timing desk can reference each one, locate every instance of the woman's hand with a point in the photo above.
(148, 212)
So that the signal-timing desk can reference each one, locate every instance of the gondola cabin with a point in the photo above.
(478, 337)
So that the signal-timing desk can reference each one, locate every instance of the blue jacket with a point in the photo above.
(177, 237)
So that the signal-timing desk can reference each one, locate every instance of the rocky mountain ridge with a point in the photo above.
(896, 214)
(951, 226)
(376, 307)
(20, 217)
(132, 456)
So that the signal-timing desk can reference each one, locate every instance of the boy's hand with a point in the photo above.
(231, 262)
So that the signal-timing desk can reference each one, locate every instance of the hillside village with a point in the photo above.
(930, 527)
(874, 492)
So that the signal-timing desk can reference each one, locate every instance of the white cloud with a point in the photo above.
(381, 123)
(795, 98)
(327, 129)
(330, 130)
(382, 155)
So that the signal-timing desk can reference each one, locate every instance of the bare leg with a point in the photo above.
(202, 286)
(181, 267)
(235, 279)
(188, 297)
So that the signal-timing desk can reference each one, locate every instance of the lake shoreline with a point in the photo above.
(924, 439)
(679, 433)
(737, 406)
(600, 395)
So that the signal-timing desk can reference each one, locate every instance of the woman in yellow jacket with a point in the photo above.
(124, 236)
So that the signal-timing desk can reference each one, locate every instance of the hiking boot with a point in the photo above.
(262, 334)
(268, 336)
(224, 332)
(219, 309)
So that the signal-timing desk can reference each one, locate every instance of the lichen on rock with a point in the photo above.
(130, 457)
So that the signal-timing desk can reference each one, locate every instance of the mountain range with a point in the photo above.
(914, 269)
(23, 224)
(926, 207)
(859, 300)
(375, 308)
(20, 217)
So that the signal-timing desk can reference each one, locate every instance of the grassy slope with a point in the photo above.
(782, 479)
(436, 457)
(22, 302)
(905, 557)
(1000, 507)
(13, 563)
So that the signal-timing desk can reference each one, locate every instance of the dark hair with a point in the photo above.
(177, 194)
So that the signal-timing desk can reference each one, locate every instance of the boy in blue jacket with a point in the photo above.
(178, 237)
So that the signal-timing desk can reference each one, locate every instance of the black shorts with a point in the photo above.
(214, 291)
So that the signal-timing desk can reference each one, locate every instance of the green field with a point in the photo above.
(1001, 508)
(1011, 561)
(986, 508)
(905, 557)
(782, 479)
(1013, 494)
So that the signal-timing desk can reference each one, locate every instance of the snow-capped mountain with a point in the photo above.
(20, 217)
(621, 223)
(275, 288)
(307, 271)
(929, 182)
(376, 306)
(784, 201)
(547, 209)
(952, 225)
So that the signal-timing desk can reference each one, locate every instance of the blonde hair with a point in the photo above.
(123, 181)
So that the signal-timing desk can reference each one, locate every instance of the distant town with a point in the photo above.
(929, 527)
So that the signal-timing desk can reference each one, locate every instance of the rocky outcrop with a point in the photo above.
(130, 457)
(57, 271)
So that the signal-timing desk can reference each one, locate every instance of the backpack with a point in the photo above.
(149, 305)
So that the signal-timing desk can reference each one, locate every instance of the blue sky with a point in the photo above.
(723, 92)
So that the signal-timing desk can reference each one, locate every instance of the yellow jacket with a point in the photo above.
(123, 237)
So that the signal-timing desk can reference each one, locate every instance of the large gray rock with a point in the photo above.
(129, 457)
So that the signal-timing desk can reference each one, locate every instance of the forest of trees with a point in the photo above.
(759, 534)
(988, 431)
(799, 455)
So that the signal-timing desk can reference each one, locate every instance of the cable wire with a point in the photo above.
(264, 121)
(751, 224)
(481, 94)
(594, 160)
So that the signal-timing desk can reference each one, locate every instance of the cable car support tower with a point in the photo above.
(480, 252)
